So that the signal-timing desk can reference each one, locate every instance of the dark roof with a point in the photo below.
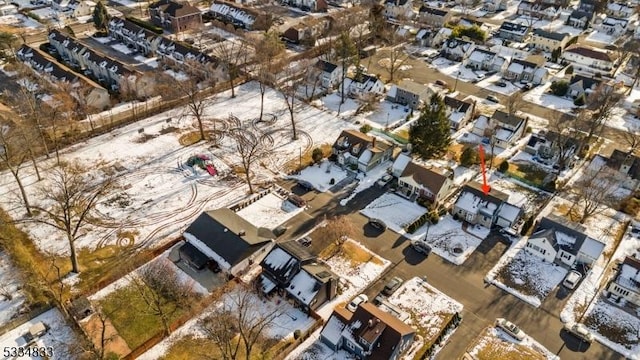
(396, 2)
(471, 22)
(283, 262)
(526, 64)
(455, 42)
(433, 11)
(220, 230)
(549, 225)
(322, 273)
(550, 34)
(494, 196)
(579, 14)
(619, 158)
(633, 262)
(430, 179)
(513, 27)
(391, 333)
(41, 64)
(353, 138)
(505, 118)
(193, 255)
(587, 82)
(326, 66)
(175, 9)
(457, 105)
(589, 52)
(297, 251)
(552, 136)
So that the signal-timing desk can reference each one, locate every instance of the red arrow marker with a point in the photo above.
(485, 187)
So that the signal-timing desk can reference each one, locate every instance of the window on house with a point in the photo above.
(350, 345)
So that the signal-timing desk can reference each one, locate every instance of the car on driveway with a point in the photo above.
(392, 286)
(378, 224)
(421, 247)
(353, 305)
(305, 241)
(510, 328)
(501, 84)
(580, 331)
(384, 180)
(493, 99)
(440, 82)
(572, 279)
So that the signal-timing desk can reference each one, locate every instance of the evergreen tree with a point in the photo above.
(430, 136)
(100, 17)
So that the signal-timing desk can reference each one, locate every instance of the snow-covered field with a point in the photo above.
(60, 337)
(391, 115)
(454, 69)
(19, 20)
(269, 211)
(494, 343)
(614, 328)
(9, 286)
(395, 211)
(152, 62)
(320, 175)
(159, 195)
(541, 96)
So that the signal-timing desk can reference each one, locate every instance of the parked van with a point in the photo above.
(572, 279)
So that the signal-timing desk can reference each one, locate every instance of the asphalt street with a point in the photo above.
(482, 303)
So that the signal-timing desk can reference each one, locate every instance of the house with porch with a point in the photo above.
(434, 17)
(487, 60)
(581, 19)
(507, 129)
(233, 243)
(456, 49)
(308, 30)
(489, 210)
(587, 59)
(557, 240)
(525, 71)
(364, 84)
(512, 31)
(459, 112)
(624, 289)
(367, 333)
(432, 184)
(290, 270)
(409, 93)
(174, 16)
(548, 40)
(360, 151)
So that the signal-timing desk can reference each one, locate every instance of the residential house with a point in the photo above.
(63, 9)
(624, 289)
(400, 163)
(457, 49)
(495, 5)
(434, 17)
(232, 13)
(425, 37)
(581, 19)
(189, 60)
(619, 10)
(507, 129)
(482, 59)
(368, 333)
(432, 184)
(174, 16)
(409, 93)
(8, 9)
(363, 84)
(361, 151)
(308, 30)
(224, 237)
(614, 27)
(309, 5)
(352, 18)
(331, 73)
(549, 40)
(512, 31)
(441, 37)
(626, 167)
(131, 34)
(95, 97)
(481, 126)
(489, 210)
(587, 5)
(546, 148)
(459, 112)
(557, 240)
(590, 60)
(538, 10)
(580, 85)
(398, 9)
(526, 71)
(293, 272)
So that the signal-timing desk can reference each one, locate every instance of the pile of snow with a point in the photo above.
(496, 342)
(270, 211)
(395, 211)
(320, 175)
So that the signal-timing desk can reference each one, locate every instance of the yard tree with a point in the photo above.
(469, 157)
(241, 322)
(233, 55)
(564, 138)
(395, 51)
(632, 138)
(162, 291)
(377, 22)
(100, 17)
(250, 149)
(601, 104)
(430, 136)
(69, 200)
(313, 79)
(267, 49)
(559, 88)
(515, 102)
(13, 154)
(594, 192)
(337, 229)
(7, 42)
(289, 86)
(197, 100)
(345, 53)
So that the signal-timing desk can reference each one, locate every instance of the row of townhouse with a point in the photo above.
(233, 14)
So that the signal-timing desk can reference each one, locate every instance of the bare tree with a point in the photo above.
(70, 199)
(515, 103)
(289, 90)
(313, 80)
(163, 291)
(367, 102)
(249, 148)
(233, 54)
(601, 104)
(595, 191)
(535, 13)
(267, 51)
(13, 153)
(338, 230)
(242, 315)
(345, 53)
(395, 49)
(197, 100)
(564, 138)
(632, 138)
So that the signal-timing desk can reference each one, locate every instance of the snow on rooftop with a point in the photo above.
(270, 211)
(565, 239)
(303, 287)
(395, 211)
(278, 258)
(509, 212)
(333, 329)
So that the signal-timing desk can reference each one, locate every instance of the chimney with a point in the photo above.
(373, 142)
(370, 323)
(242, 233)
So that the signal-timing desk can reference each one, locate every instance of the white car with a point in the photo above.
(580, 331)
(510, 328)
(572, 279)
(353, 305)
(384, 180)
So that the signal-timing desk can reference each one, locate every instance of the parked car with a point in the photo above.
(305, 185)
(421, 247)
(296, 200)
(305, 241)
(493, 99)
(501, 84)
(510, 328)
(580, 331)
(384, 180)
(353, 305)
(572, 279)
(392, 286)
(378, 224)
(440, 82)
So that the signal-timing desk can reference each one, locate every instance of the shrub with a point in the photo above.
(296, 334)
(145, 24)
(317, 155)
(469, 157)
(559, 88)
(569, 70)
(579, 101)
(434, 217)
(504, 166)
(630, 206)
(549, 186)
(365, 128)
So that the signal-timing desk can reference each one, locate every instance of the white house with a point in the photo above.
(614, 27)
(482, 59)
(457, 49)
(557, 240)
(507, 129)
(330, 76)
(476, 207)
(580, 19)
(365, 84)
(400, 163)
(459, 112)
(480, 126)
(495, 5)
(441, 36)
(590, 60)
(526, 71)
(398, 9)
(419, 181)
(624, 289)
(619, 10)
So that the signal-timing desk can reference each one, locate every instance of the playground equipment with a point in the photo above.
(203, 162)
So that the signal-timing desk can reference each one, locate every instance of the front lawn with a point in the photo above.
(529, 173)
(495, 345)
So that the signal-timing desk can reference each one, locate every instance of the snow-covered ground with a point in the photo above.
(497, 344)
(270, 211)
(159, 195)
(320, 175)
(152, 61)
(600, 37)
(454, 69)
(491, 82)
(395, 211)
(368, 180)
(9, 286)
(59, 337)
(540, 95)
(19, 20)
(614, 328)
(448, 240)
(332, 102)
(180, 76)
(391, 115)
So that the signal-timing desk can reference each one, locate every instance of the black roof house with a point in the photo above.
(549, 228)
(326, 66)
(494, 196)
(285, 260)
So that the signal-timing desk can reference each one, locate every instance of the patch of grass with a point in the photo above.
(614, 331)
(566, 211)
(456, 150)
(143, 138)
(168, 130)
(530, 173)
(306, 159)
(193, 348)
(358, 255)
(403, 133)
(130, 316)
(192, 137)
